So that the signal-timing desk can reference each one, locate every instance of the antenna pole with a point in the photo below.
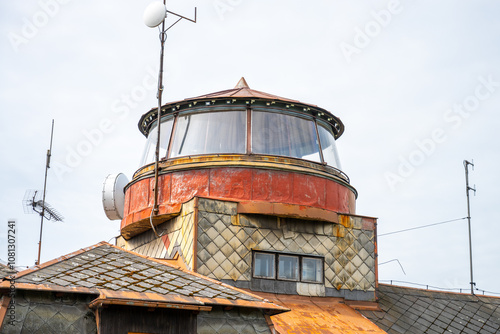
(163, 37)
(468, 188)
(47, 166)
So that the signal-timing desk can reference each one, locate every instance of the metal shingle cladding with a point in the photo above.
(408, 310)
(225, 245)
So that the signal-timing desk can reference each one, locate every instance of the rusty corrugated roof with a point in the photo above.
(318, 315)
(410, 310)
(128, 275)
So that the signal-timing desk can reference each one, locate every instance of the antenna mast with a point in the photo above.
(47, 166)
(154, 16)
(467, 188)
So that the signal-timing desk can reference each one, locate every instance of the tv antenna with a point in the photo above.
(34, 201)
(154, 16)
(467, 189)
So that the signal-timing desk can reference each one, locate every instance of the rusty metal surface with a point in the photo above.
(241, 183)
(4, 304)
(141, 219)
(150, 300)
(288, 211)
(254, 160)
(122, 274)
(318, 315)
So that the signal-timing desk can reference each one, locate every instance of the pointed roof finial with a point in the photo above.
(242, 83)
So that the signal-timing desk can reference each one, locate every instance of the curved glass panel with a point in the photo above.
(280, 134)
(149, 150)
(220, 132)
(328, 146)
(210, 133)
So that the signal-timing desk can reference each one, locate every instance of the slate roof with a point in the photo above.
(132, 276)
(5, 271)
(409, 310)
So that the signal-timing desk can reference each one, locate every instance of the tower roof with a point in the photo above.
(241, 95)
(242, 89)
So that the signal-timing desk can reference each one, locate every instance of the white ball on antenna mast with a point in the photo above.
(154, 14)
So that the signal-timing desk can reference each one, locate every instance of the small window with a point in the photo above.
(264, 264)
(288, 267)
(312, 269)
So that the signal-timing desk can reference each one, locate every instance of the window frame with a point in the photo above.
(307, 118)
(300, 266)
(150, 145)
(324, 125)
(322, 263)
(273, 261)
(194, 113)
(297, 269)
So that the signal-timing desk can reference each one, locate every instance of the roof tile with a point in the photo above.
(434, 312)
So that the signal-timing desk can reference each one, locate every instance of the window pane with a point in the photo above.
(264, 265)
(280, 134)
(288, 267)
(312, 269)
(149, 150)
(210, 133)
(328, 146)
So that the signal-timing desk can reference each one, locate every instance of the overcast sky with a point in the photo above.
(417, 85)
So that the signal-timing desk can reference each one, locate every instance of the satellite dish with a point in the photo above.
(154, 14)
(113, 195)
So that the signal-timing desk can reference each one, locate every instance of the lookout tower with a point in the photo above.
(251, 192)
